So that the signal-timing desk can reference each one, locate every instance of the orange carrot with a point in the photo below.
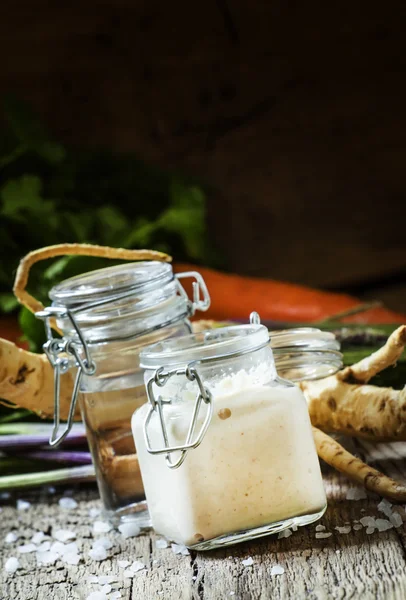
(235, 296)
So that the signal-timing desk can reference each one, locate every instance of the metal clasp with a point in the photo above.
(201, 296)
(59, 351)
(160, 378)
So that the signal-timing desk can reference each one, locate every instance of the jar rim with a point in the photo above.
(100, 284)
(205, 346)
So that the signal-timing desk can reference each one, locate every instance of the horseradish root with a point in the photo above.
(342, 460)
(344, 404)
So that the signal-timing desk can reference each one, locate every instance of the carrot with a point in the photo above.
(235, 297)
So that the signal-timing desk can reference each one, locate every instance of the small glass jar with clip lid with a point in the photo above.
(224, 445)
(106, 317)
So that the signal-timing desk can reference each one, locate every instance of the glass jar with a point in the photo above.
(106, 317)
(224, 445)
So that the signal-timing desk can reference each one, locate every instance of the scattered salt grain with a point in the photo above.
(92, 579)
(321, 536)
(63, 535)
(67, 503)
(106, 589)
(44, 547)
(161, 543)
(357, 526)
(368, 521)
(137, 566)
(123, 563)
(370, 530)
(356, 494)
(47, 558)
(345, 529)
(231, 594)
(58, 548)
(71, 558)
(277, 570)
(129, 530)
(98, 553)
(12, 564)
(11, 537)
(5, 495)
(320, 528)
(38, 537)
(383, 524)
(104, 542)
(338, 551)
(179, 549)
(101, 527)
(26, 548)
(128, 573)
(23, 505)
(103, 579)
(396, 519)
(284, 534)
(94, 512)
(97, 596)
(115, 595)
(51, 489)
(385, 507)
(248, 562)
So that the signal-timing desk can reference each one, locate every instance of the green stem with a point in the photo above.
(6, 160)
(74, 474)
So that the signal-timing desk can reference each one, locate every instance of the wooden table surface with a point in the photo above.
(343, 566)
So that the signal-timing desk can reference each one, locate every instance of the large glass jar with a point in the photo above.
(224, 445)
(106, 317)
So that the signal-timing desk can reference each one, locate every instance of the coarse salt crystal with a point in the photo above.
(5, 495)
(396, 519)
(67, 503)
(383, 524)
(385, 507)
(63, 535)
(356, 494)
(277, 570)
(370, 530)
(92, 579)
(115, 595)
(47, 558)
(26, 548)
(101, 527)
(12, 564)
(103, 541)
(38, 537)
(320, 535)
(357, 526)
(284, 534)
(129, 530)
(44, 547)
(123, 563)
(58, 548)
(103, 579)
(368, 521)
(338, 551)
(97, 596)
(106, 589)
(320, 528)
(128, 573)
(98, 553)
(161, 543)
(94, 512)
(51, 489)
(345, 529)
(248, 562)
(71, 548)
(11, 537)
(137, 566)
(71, 558)
(231, 594)
(179, 549)
(23, 505)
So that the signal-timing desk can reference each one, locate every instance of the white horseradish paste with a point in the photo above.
(256, 465)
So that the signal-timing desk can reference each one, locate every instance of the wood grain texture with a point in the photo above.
(343, 566)
(294, 113)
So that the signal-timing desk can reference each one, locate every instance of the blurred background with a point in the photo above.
(261, 138)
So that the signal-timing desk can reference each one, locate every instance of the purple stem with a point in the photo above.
(61, 456)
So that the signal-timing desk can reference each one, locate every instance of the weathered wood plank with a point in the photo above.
(342, 566)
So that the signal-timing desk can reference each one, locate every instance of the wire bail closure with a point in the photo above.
(204, 396)
(201, 296)
(59, 351)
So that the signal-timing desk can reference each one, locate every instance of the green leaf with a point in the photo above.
(56, 268)
(8, 302)
(33, 329)
(30, 132)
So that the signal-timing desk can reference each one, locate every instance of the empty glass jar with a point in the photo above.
(225, 446)
(107, 317)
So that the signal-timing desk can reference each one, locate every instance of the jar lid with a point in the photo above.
(214, 344)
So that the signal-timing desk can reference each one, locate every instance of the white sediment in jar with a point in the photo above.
(256, 465)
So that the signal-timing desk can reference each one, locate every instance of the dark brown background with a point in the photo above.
(294, 111)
